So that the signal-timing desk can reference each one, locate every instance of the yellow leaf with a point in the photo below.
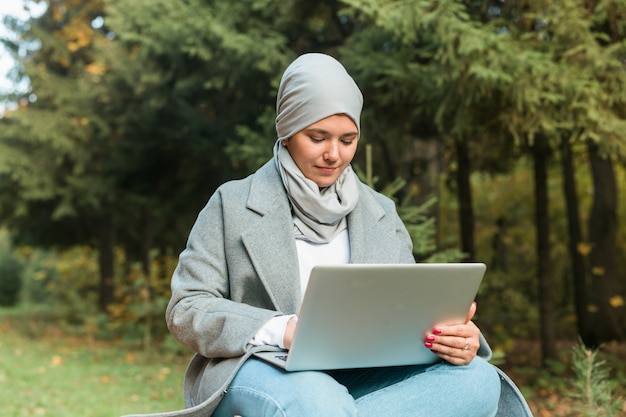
(104, 379)
(56, 361)
(583, 248)
(95, 68)
(592, 308)
(597, 270)
(616, 301)
(545, 413)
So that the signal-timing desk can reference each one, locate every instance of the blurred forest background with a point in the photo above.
(499, 126)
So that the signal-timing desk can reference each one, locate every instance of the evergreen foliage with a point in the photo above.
(593, 388)
(10, 273)
(10, 280)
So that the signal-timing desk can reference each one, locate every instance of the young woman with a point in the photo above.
(239, 282)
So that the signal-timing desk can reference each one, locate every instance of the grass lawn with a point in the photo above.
(57, 376)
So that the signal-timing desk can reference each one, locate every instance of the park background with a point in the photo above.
(499, 127)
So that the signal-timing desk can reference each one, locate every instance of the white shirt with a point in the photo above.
(309, 255)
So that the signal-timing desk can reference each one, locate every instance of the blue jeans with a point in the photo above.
(262, 390)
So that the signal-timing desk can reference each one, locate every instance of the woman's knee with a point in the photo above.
(483, 385)
(261, 391)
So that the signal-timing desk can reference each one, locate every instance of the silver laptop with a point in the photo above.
(371, 315)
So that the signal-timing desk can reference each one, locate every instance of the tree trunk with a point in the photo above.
(606, 311)
(575, 238)
(424, 174)
(544, 274)
(106, 260)
(146, 245)
(464, 195)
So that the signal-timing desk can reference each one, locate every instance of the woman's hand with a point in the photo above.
(290, 330)
(455, 343)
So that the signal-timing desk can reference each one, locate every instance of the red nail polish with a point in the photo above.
(430, 338)
(437, 331)
(428, 345)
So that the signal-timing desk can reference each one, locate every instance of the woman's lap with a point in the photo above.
(260, 389)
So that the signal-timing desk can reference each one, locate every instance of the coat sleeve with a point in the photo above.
(200, 314)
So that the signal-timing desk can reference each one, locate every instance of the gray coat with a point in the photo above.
(240, 269)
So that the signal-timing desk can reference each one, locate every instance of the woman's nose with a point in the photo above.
(331, 153)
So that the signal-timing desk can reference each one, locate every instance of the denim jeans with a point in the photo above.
(441, 390)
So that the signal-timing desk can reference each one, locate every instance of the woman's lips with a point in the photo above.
(327, 170)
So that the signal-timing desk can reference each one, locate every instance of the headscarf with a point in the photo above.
(313, 87)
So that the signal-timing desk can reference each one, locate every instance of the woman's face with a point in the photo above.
(324, 149)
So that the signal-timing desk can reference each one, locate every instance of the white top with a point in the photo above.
(309, 255)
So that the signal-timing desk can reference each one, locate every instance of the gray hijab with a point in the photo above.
(312, 88)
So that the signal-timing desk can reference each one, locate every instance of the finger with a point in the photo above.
(455, 360)
(453, 346)
(457, 330)
(451, 340)
(454, 354)
(471, 312)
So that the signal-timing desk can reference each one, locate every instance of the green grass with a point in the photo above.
(59, 376)
(47, 371)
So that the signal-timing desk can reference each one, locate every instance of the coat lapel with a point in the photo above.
(370, 242)
(269, 239)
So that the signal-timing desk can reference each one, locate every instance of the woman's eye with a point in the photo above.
(316, 139)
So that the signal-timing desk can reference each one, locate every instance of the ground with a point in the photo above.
(548, 389)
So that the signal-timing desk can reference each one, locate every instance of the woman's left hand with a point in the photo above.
(455, 343)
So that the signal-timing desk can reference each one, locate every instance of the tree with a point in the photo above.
(50, 143)
(153, 103)
(583, 102)
(501, 70)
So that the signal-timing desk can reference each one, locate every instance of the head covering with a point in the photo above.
(313, 87)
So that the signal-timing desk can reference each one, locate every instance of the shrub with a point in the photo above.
(10, 279)
(593, 388)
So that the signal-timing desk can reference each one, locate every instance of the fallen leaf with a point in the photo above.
(56, 361)
(545, 413)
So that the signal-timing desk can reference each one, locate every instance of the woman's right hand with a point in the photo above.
(290, 330)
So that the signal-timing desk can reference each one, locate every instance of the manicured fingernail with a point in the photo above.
(428, 345)
(430, 338)
(437, 331)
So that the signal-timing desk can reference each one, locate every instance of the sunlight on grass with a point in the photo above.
(60, 377)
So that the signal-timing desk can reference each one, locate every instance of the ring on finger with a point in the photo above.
(466, 344)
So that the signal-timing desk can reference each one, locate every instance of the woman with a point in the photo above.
(239, 282)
